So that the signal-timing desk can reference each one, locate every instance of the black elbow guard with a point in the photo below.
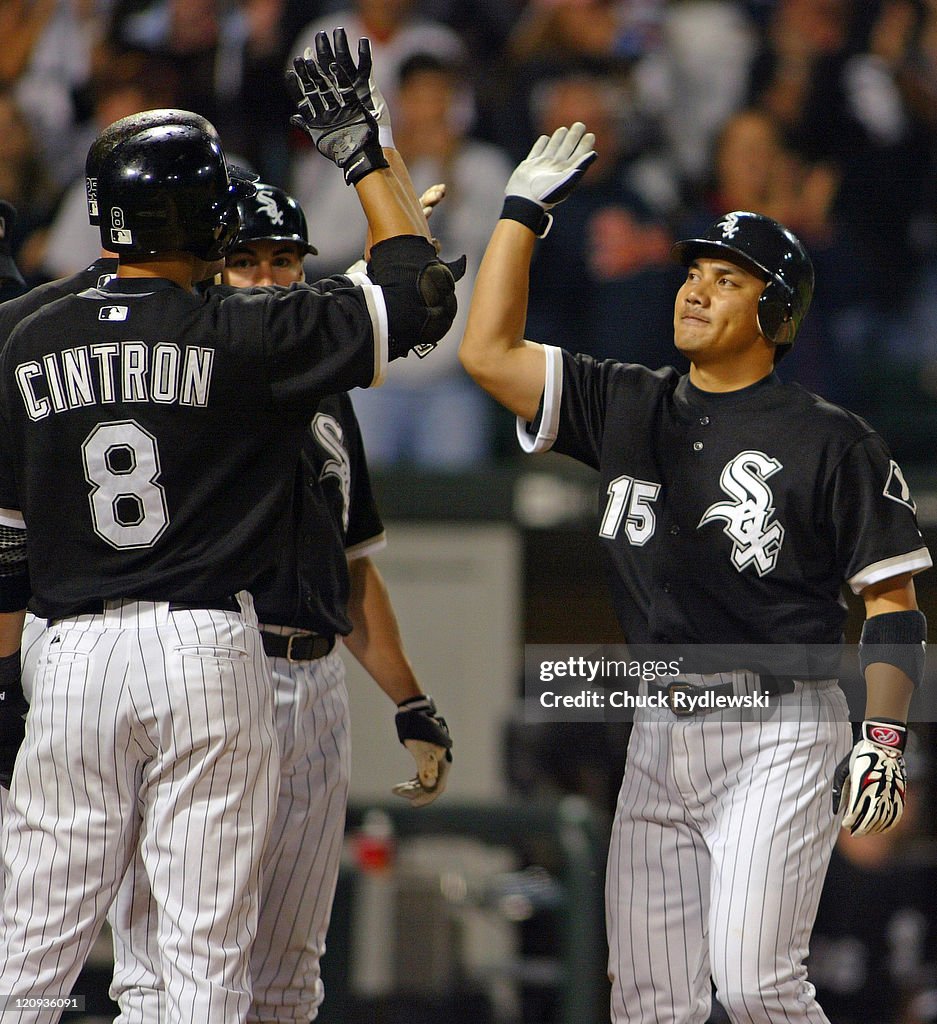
(895, 638)
(419, 291)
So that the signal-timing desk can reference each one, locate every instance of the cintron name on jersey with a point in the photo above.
(115, 372)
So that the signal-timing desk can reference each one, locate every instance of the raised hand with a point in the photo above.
(361, 75)
(330, 111)
(547, 175)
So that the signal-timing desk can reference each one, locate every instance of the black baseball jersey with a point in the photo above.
(95, 276)
(333, 518)
(729, 518)
(148, 434)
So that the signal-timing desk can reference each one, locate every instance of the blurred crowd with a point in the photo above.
(821, 113)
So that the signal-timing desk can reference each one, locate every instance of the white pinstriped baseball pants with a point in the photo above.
(301, 862)
(146, 727)
(720, 844)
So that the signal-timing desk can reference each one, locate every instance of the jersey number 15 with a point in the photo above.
(631, 501)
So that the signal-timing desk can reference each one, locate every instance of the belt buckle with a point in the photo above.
(672, 688)
(289, 645)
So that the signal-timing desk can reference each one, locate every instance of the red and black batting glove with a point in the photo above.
(425, 734)
(870, 782)
(13, 708)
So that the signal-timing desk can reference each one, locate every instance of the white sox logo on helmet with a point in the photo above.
(268, 205)
(756, 539)
(729, 225)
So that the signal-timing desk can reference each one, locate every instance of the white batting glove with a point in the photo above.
(426, 735)
(547, 175)
(870, 782)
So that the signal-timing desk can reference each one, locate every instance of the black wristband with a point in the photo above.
(528, 213)
(417, 719)
(895, 638)
(369, 158)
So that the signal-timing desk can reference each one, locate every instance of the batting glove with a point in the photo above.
(426, 735)
(361, 75)
(329, 110)
(870, 782)
(13, 708)
(548, 174)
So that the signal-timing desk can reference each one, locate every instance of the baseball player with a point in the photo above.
(326, 587)
(149, 438)
(735, 509)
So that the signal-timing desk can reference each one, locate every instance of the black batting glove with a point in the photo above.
(13, 708)
(329, 110)
(361, 75)
(425, 734)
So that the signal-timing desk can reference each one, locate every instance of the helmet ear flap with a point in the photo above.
(776, 314)
(225, 230)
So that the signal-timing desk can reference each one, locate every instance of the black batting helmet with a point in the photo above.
(272, 215)
(123, 129)
(767, 249)
(166, 187)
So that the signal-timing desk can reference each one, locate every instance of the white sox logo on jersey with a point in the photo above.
(896, 487)
(756, 539)
(268, 205)
(328, 432)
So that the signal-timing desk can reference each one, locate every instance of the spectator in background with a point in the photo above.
(228, 61)
(132, 83)
(50, 50)
(874, 944)
(620, 29)
(397, 33)
(905, 43)
(428, 412)
(696, 77)
(844, 80)
(610, 251)
(24, 183)
(823, 76)
(751, 168)
(688, 60)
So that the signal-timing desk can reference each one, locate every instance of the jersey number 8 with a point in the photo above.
(128, 506)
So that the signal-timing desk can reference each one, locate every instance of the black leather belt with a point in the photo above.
(297, 646)
(98, 607)
(768, 686)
